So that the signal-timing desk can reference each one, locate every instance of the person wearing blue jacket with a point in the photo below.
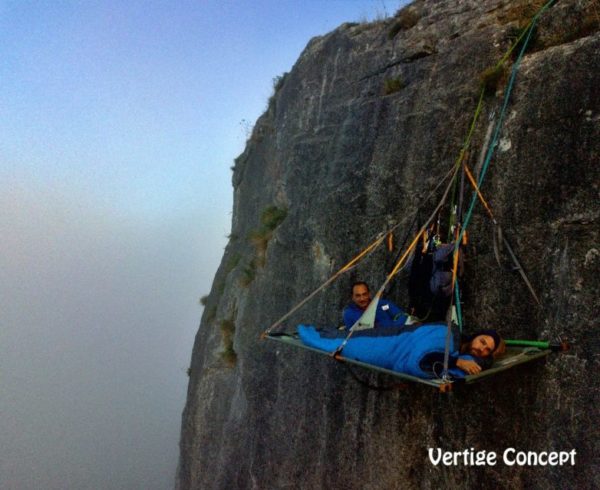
(387, 315)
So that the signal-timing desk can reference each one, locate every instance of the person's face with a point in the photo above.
(481, 346)
(361, 296)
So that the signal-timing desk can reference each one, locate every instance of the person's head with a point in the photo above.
(485, 343)
(361, 294)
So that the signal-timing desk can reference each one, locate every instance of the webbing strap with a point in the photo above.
(479, 194)
(345, 268)
(450, 308)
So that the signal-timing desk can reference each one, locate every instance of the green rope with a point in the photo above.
(461, 155)
(458, 309)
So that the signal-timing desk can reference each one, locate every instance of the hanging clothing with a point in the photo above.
(441, 275)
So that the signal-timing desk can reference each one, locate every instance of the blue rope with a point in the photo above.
(507, 94)
(492, 146)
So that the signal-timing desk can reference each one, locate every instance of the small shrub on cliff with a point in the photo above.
(204, 300)
(248, 274)
(490, 78)
(406, 19)
(271, 217)
(392, 85)
(279, 81)
(227, 333)
(232, 263)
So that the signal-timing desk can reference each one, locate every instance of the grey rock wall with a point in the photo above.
(346, 161)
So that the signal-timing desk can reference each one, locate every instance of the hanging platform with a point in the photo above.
(514, 355)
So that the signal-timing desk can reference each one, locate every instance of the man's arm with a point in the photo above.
(397, 314)
(468, 366)
(350, 316)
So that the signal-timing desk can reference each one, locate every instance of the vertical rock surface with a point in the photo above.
(354, 138)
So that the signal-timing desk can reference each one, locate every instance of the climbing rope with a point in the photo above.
(507, 93)
(525, 36)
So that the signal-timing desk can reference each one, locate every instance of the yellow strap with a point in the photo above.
(476, 188)
(455, 258)
(360, 255)
(345, 268)
(403, 258)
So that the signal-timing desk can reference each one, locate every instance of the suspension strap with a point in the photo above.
(449, 316)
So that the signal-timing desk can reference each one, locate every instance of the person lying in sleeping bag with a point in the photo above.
(387, 315)
(417, 350)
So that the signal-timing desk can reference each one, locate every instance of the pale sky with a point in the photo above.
(119, 122)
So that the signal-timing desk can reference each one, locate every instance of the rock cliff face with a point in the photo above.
(355, 136)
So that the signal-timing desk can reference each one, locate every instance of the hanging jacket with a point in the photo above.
(441, 275)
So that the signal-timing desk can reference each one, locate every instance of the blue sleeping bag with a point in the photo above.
(405, 349)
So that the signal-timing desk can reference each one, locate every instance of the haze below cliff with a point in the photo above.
(120, 121)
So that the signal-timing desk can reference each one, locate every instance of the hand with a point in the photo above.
(469, 367)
